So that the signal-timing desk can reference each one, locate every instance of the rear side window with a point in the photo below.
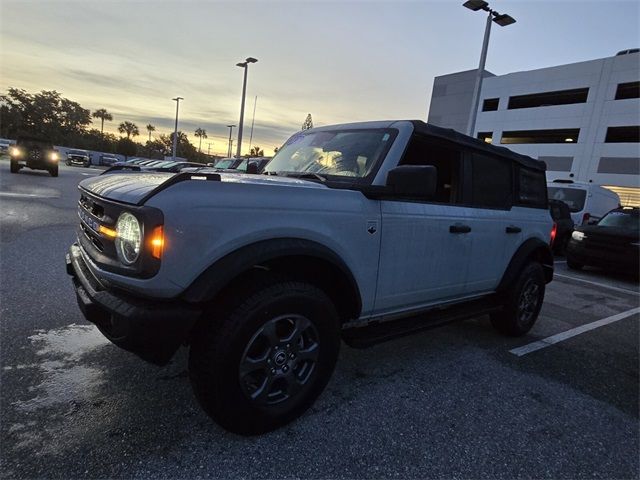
(491, 181)
(532, 188)
(573, 197)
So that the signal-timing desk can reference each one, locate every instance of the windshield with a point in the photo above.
(621, 219)
(243, 165)
(226, 163)
(77, 152)
(573, 197)
(340, 153)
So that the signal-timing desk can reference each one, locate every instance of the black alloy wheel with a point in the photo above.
(521, 303)
(279, 360)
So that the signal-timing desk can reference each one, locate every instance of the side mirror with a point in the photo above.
(418, 181)
(252, 167)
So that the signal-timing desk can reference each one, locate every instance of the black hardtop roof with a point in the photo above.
(477, 144)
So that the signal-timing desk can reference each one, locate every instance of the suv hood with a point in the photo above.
(137, 187)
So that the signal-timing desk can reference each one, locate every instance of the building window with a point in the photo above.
(623, 134)
(490, 104)
(547, 99)
(558, 164)
(485, 136)
(628, 90)
(619, 165)
(562, 135)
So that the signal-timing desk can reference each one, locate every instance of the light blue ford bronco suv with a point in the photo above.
(357, 233)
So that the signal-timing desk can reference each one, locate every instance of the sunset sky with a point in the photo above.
(340, 61)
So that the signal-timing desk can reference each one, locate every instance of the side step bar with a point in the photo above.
(382, 331)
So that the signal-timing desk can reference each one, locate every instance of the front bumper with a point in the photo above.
(624, 260)
(152, 329)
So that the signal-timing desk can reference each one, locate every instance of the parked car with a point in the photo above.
(36, 153)
(151, 166)
(587, 202)
(360, 232)
(613, 243)
(228, 163)
(108, 160)
(252, 165)
(78, 157)
(562, 225)
(4, 146)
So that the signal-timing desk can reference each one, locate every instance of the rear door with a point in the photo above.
(495, 232)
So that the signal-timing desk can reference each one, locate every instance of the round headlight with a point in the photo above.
(128, 238)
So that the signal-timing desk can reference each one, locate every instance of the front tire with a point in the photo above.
(268, 355)
(522, 302)
(53, 171)
(573, 265)
(14, 167)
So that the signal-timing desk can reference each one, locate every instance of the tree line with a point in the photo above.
(64, 122)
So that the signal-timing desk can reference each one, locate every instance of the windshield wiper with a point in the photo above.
(305, 175)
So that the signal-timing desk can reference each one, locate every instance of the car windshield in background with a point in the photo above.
(573, 197)
(620, 219)
(77, 152)
(339, 153)
(226, 163)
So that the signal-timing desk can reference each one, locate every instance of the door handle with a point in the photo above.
(459, 228)
(512, 229)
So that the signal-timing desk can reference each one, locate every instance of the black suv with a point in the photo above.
(35, 153)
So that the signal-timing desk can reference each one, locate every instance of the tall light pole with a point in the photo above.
(244, 65)
(175, 131)
(229, 147)
(501, 19)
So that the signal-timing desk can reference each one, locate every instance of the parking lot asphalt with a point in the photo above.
(460, 401)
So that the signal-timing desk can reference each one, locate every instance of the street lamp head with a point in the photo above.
(504, 20)
(241, 64)
(251, 60)
(475, 5)
(177, 99)
(230, 126)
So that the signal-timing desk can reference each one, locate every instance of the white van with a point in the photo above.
(587, 202)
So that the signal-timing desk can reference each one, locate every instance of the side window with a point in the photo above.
(442, 155)
(491, 181)
(532, 188)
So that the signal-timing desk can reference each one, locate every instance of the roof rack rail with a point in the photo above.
(559, 180)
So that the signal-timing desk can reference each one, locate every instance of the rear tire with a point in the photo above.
(15, 168)
(573, 265)
(522, 302)
(263, 357)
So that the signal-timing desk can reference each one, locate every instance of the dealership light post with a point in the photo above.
(501, 19)
(175, 131)
(229, 147)
(244, 65)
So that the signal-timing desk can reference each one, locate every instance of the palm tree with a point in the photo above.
(129, 128)
(103, 115)
(201, 133)
(150, 128)
(256, 152)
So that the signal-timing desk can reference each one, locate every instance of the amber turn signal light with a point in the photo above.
(157, 242)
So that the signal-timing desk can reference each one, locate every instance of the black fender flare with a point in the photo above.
(218, 275)
(533, 248)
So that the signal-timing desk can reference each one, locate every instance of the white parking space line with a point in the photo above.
(553, 339)
(601, 285)
(25, 195)
(89, 174)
